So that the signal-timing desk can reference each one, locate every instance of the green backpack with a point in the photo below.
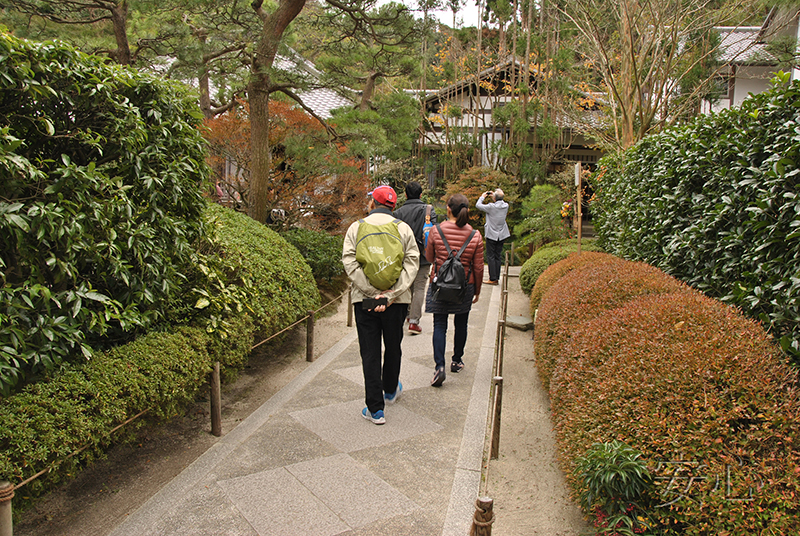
(379, 251)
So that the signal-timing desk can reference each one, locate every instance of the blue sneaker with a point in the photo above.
(392, 398)
(376, 417)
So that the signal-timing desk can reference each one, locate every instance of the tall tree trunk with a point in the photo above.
(119, 19)
(368, 91)
(274, 24)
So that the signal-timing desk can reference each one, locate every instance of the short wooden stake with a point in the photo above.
(483, 518)
(6, 518)
(349, 308)
(497, 409)
(501, 335)
(216, 402)
(310, 337)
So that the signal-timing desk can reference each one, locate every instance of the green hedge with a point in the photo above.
(633, 355)
(322, 252)
(280, 283)
(717, 205)
(549, 254)
(78, 407)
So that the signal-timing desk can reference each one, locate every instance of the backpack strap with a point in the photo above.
(446, 245)
(463, 247)
(460, 251)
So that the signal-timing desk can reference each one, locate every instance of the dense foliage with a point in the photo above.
(312, 182)
(78, 407)
(547, 255)
(79, 404)
(322, 252)
(716, 204)
(541, 220)
(283, 287)
(101, 170)
(703, 393)
(554, 272)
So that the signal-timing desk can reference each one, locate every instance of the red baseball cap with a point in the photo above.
(385, 195)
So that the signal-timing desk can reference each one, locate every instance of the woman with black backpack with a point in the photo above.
(456, 240)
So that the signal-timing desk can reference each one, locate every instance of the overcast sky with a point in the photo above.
(467, 16)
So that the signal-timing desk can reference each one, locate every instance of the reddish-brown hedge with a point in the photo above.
(555, 271)
(678, 376)
(591, 286)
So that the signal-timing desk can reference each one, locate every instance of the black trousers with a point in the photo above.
(373, 327)
(494, 256)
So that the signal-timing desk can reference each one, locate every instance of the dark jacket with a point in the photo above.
(413, 213)
(471, 259)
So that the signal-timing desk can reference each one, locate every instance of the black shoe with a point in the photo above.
(438, 377)
(456, 366)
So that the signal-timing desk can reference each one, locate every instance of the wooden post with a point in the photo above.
(6, 518)
(501, 333)
(310, 337)
(483, 518)
(216, 402)
(350, 307)
(578, 203)
(497, 346)
(498, 406)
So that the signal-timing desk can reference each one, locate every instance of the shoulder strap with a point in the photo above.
(465, 244)
(446, 245)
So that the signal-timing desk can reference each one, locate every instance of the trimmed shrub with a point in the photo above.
(701, 391)
(47, 421)
(555, 271)
(322, 252)
(547, 255)
(600, 283)
(78, 405)
(716, 205)
(279, 282)
(102, 169)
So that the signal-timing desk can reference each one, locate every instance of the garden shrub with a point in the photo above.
(79, 405)
(280, 283)
(541, 220)
(600, 283)
(554, 272)
(686, 380)
(101, 169)
(547, 255)
(322, 252)
(715, 204)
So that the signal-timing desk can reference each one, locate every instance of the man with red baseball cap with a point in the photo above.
(381, 320)
(384, 195)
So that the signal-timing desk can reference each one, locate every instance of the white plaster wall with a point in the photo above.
(751, 80)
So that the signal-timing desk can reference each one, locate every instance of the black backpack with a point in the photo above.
(450, 282)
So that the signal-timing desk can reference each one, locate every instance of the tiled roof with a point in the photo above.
(744, 46)
(321, 100)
